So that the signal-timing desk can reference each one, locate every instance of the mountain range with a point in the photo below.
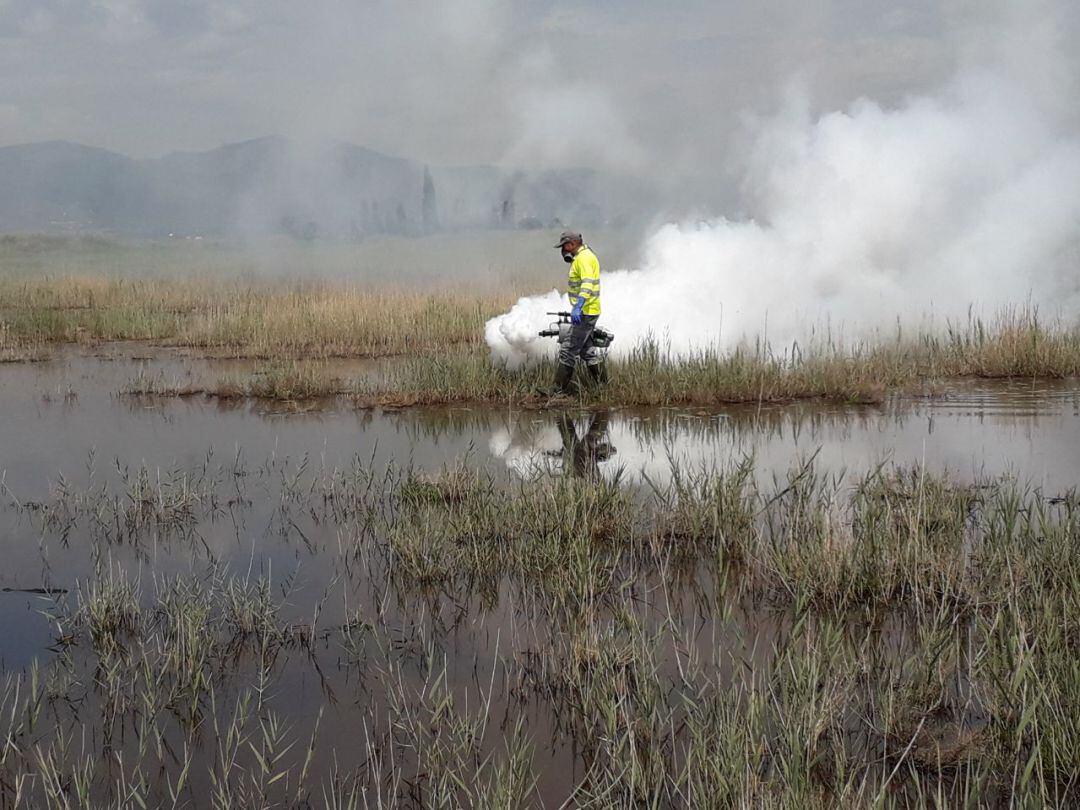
(274, 185)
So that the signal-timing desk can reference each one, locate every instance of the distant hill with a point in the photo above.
(273, 186)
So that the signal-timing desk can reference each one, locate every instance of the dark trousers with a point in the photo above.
(571, 349)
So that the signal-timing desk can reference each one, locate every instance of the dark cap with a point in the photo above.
(568, 236)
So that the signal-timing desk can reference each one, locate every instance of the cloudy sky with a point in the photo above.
(634, 84)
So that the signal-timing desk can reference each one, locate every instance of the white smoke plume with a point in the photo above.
(965, 198)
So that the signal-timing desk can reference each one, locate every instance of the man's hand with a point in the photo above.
(575, 313)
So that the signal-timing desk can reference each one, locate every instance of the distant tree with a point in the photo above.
(506, 211)
(506, 214)
(429, 207)
(301, 229)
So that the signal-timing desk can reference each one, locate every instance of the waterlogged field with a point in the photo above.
(216, 602)
(272, 543)
(297, 309)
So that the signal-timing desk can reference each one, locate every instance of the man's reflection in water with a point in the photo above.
(582, 455)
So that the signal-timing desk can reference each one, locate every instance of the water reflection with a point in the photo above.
(1030, 435)
(55, 414)
(582, 453)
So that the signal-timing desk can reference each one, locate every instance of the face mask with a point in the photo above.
(568, 258)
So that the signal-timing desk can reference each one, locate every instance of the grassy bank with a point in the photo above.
(1015, 346)
(646, 377)
(707, 641)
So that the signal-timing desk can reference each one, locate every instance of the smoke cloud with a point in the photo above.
(967, 197)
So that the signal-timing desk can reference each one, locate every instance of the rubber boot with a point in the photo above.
(561, 386)
(599, 374)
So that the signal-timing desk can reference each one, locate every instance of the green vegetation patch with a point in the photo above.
(712, 639)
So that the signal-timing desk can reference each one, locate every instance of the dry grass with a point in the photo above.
(245, 319)
(276, 300)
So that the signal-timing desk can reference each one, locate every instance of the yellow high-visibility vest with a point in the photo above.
(585, 280)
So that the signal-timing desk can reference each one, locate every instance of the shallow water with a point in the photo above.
(56, 414)
(65, 428)
(64, 423)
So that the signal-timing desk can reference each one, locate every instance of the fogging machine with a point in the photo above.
(596, 347)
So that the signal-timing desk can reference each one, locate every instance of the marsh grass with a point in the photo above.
(1015, 345)
(20, 352)
(912, 642)
(647, 377)
(282, 382)
(238, 318)
(804, 730)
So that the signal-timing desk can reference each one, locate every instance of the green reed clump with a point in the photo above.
(651, 376)
(462, 526)
(286, 382)
(110, 609)
(146, 384)
(1016, 343)
(449, 376)
(452, 767)
(705, 515)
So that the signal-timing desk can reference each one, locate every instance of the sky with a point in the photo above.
(657, 89)
(898, 211)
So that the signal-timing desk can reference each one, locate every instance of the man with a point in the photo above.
(583, 288)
